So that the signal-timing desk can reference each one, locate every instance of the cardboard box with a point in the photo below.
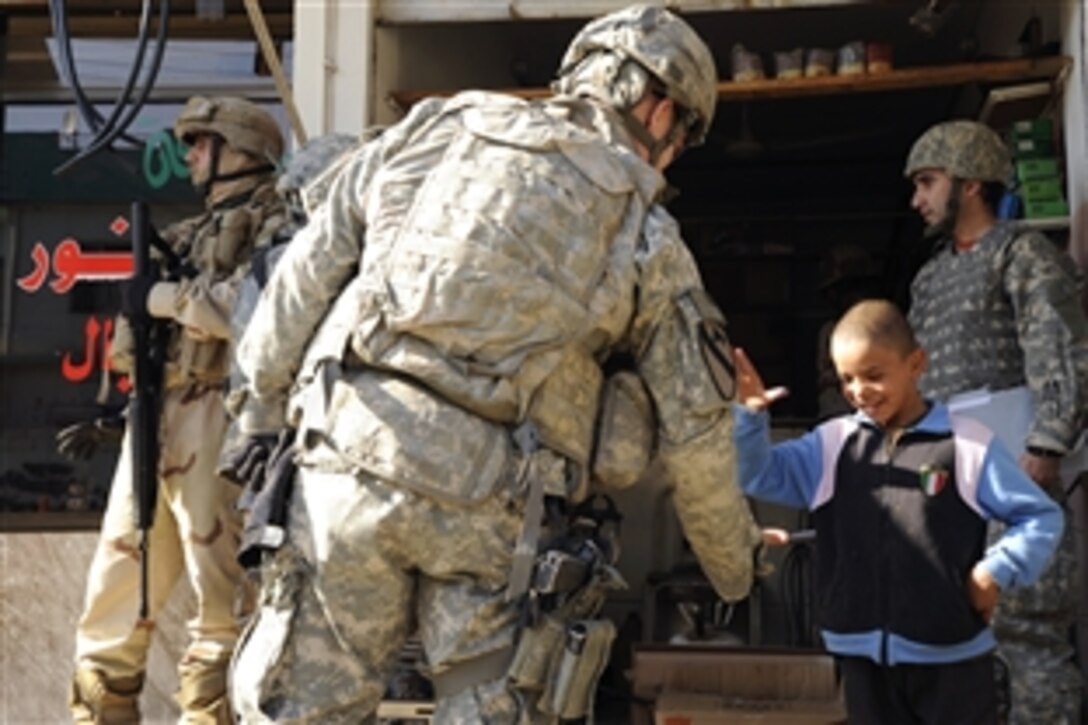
(1031, 169)
(713, 685)
(1042, 128)
(674, 708)
(1042, 190)
(1045, 209)
(1033, 148)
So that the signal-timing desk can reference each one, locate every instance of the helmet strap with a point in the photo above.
(213, 166)
(251, 171)
(654, 146)
(215, 177)
(947, 223)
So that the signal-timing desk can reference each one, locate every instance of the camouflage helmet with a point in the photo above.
(664, 45)
(964, 149)
(243, 125)
(311, 159)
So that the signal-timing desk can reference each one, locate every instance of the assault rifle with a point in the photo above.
(145, 405)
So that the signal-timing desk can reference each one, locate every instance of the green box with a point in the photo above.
(1040, 128)
(1042, 190)
(1045, 209)
(1033, 148)
(1031, 169)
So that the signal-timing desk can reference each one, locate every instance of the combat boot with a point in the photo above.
(98, 700)
(202, 692)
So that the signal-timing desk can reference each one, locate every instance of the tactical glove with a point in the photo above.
(80, 441)
(245, 466)
(266, 500)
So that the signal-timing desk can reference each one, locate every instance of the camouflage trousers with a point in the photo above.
(365, 564)
(1033, 629)
(195, 534)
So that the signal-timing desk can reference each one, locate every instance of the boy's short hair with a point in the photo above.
(879, 322)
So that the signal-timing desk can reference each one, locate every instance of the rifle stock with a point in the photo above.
(144, 405)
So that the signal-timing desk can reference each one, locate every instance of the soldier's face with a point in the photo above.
(659, 123)
(932, 196)
(199, 159)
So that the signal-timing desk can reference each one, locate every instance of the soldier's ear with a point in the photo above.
(971, 187)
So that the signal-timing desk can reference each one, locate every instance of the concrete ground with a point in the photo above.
(42, 577)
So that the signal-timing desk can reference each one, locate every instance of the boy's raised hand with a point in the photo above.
(751, 392)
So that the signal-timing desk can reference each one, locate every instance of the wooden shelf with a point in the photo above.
(902, 79)
(1043, 224)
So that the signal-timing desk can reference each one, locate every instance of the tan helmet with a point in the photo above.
(964, 150)
(663, 44)
(244, 126)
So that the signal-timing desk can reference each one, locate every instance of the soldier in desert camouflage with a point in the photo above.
(997, 307)
(234, 148)
(436, 336)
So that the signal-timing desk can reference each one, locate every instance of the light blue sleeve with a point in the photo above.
(786, 473)
(1034, 521)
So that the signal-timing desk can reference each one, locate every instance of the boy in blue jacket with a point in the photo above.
(900, 493)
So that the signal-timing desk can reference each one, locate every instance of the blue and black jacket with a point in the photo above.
(900, 525)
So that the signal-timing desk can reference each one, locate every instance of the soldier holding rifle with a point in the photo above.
(186, 523)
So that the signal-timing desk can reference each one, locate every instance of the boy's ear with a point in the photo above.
(918, 360)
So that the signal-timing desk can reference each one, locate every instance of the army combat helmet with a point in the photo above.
(243, 125)
(964, 150)
(666, 47)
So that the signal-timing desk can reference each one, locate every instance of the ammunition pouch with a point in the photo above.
(572, 681)
(562, 662)
(399, 431)
(563, 649)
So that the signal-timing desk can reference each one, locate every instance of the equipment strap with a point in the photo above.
(521, 567)
(470, 673)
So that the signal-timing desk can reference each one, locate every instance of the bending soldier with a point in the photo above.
(234, 147)
(436, 335)
(996, 307)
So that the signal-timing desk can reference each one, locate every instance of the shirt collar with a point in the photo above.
(936, 420)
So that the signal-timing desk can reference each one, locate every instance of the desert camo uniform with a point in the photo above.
(195, 531)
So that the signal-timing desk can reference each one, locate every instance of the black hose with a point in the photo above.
(58, 15)
(134, 108)
(137, 64)
(124, 112)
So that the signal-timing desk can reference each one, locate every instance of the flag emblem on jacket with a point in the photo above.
(932, 480)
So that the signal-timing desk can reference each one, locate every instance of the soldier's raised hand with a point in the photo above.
(751, 393)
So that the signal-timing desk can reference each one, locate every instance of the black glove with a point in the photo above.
(245, 466)
(134, 294)
(80, 441)
(266, 502)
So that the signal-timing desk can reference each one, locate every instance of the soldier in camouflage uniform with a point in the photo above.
(468, 275)
(997, 307)
(308, 166)
(234, 150)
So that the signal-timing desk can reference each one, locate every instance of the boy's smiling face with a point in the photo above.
(880, 380)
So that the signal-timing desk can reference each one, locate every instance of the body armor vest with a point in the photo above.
(499, 268)
(964, 319)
